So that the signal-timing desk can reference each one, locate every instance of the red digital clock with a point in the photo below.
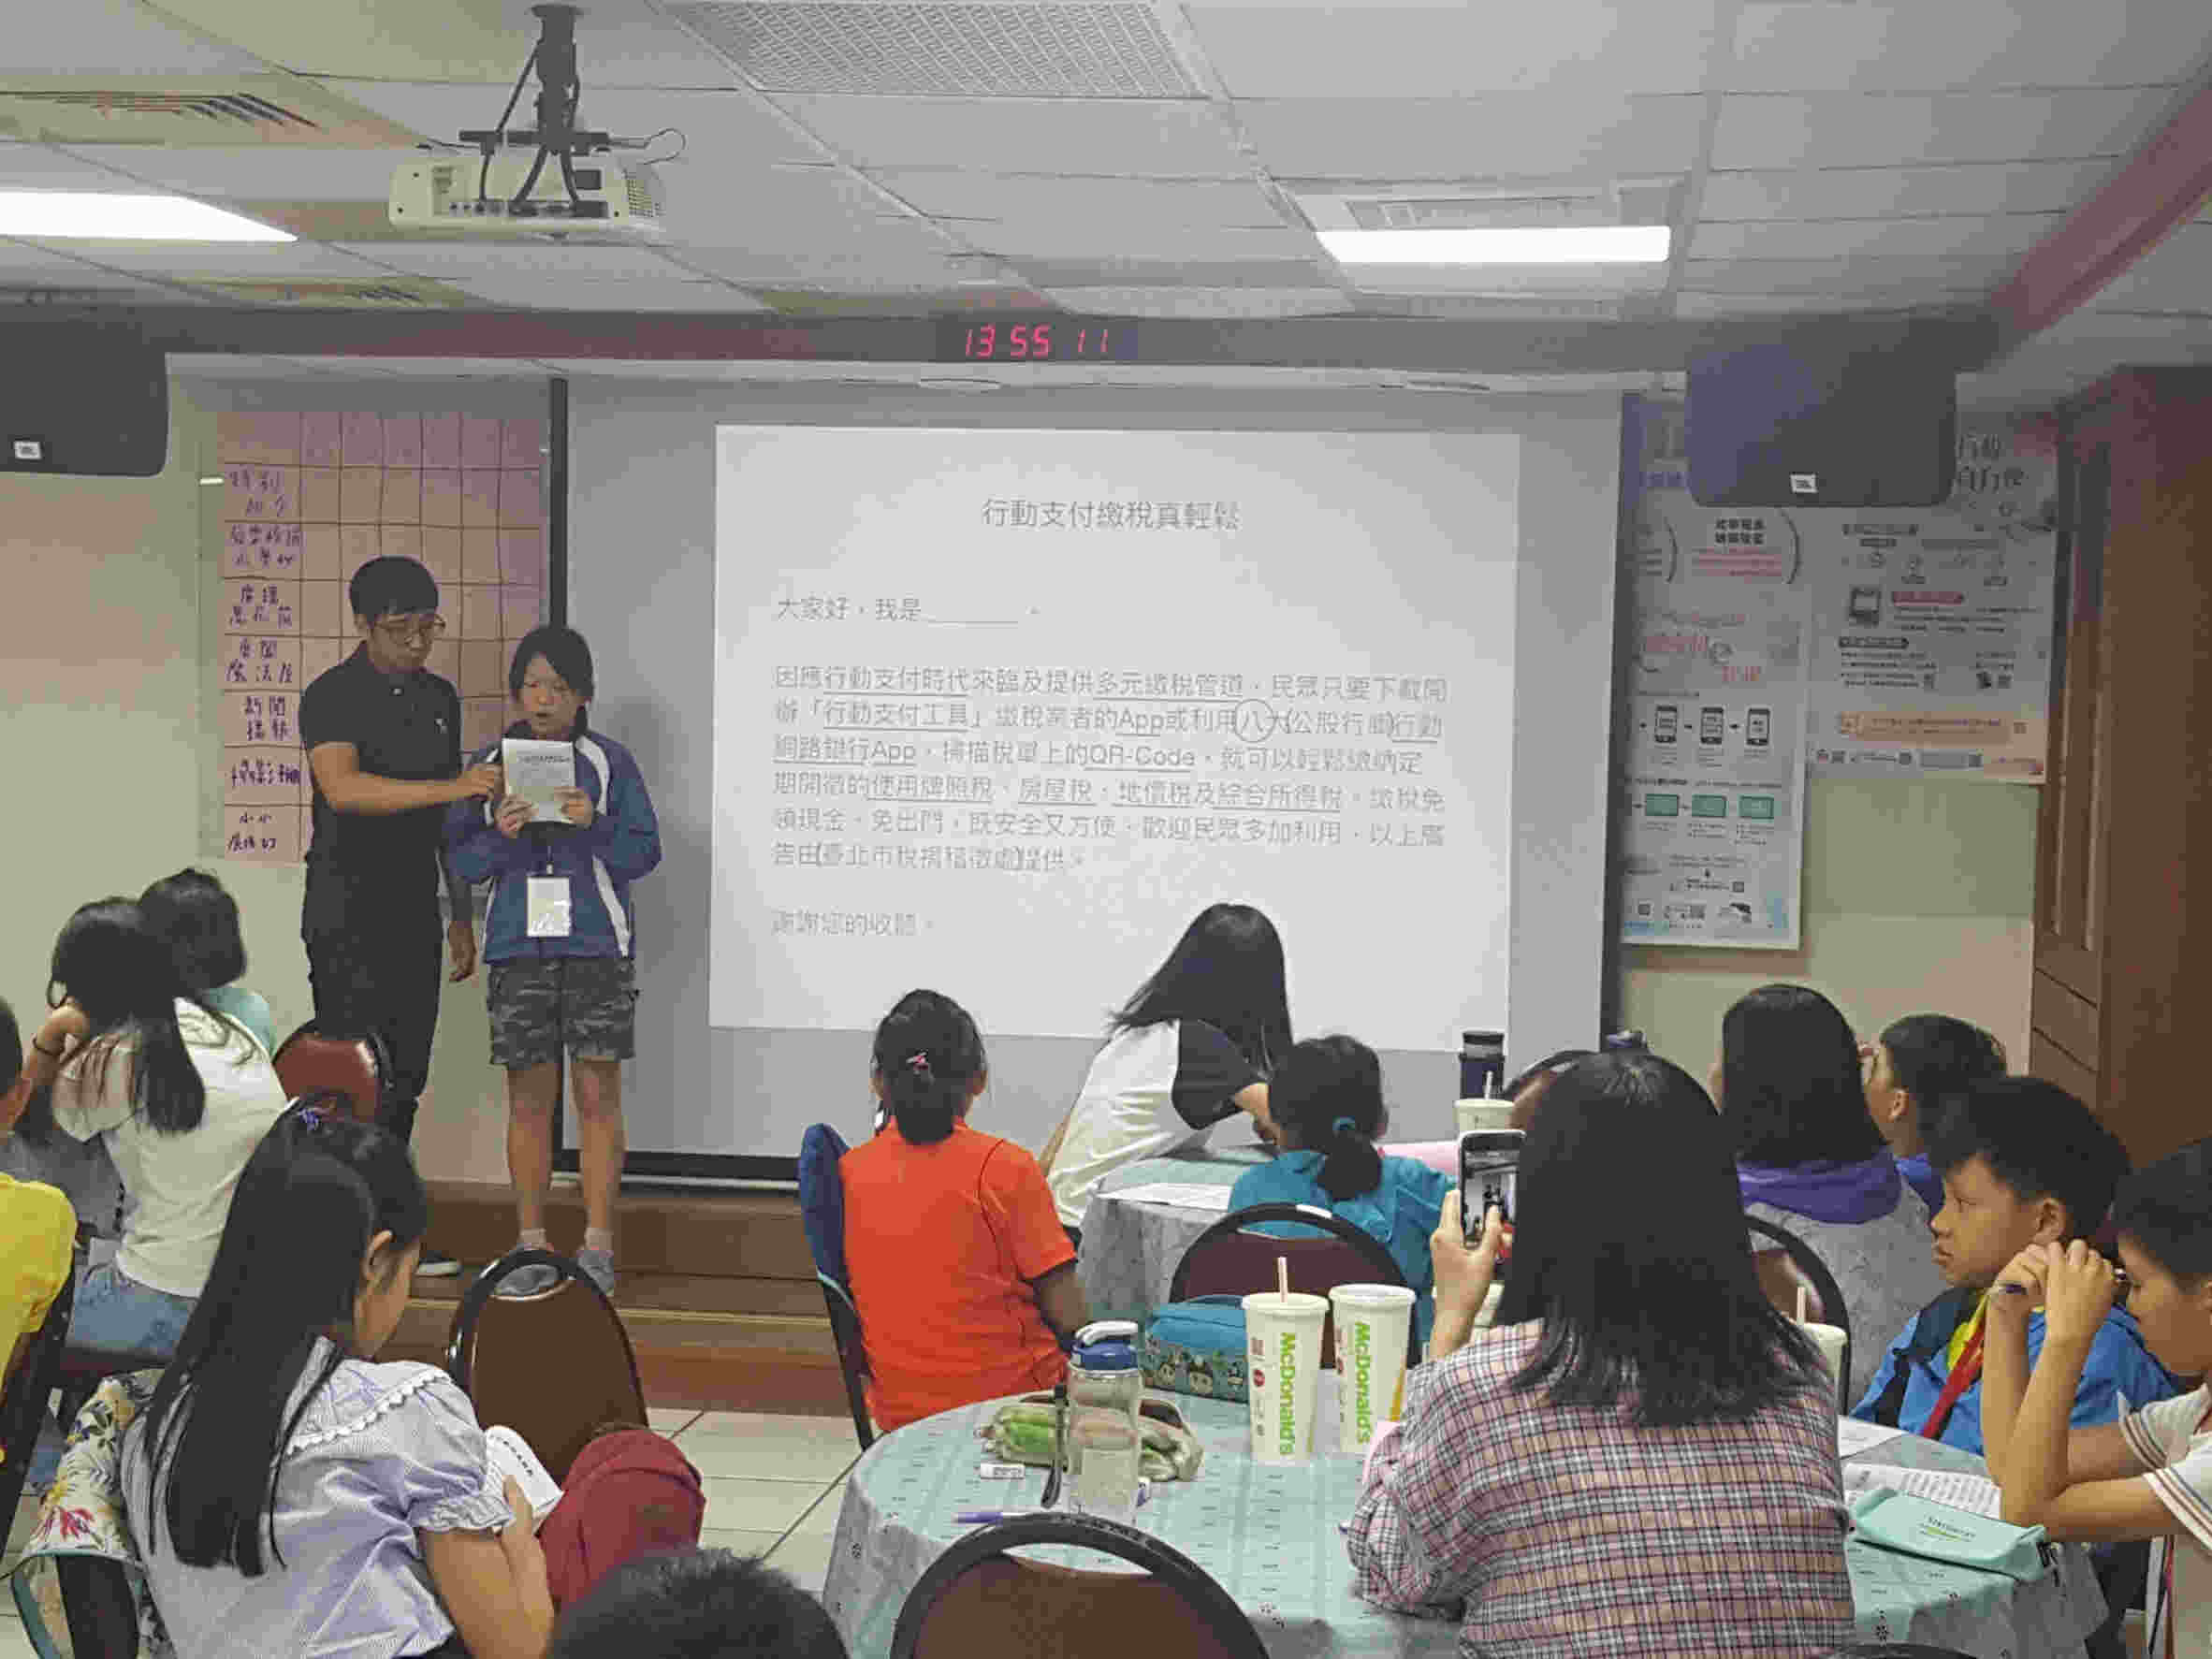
(1046, 338)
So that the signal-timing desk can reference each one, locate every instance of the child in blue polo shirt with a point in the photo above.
(2022, 1162)
(561, 936)
(1327, 1102)
(1913, 1067)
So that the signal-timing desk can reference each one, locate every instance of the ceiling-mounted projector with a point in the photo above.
(560, 180)
(594, 196)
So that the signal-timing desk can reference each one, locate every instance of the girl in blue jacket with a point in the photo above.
(561, 938)
(1327, 1102)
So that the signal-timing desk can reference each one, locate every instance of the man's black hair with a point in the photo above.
(2038, 1140)
(392, 587)
(696, 1602)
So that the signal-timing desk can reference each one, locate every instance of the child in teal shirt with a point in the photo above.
(1327, 1102)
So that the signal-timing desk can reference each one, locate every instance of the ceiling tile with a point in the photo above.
(1202, 303)
(1174, 273)
(618, 42)
(1885, 46)
(859, 268)
(782, 207)
(720, 129)
(551, 290)
(115, 38)
(181, 261)
(1886, 277)
(2176, 276)
(1838, 239)
(458, 261)
(1020, 241)
(1696, 307)
(1522, 134)
(266, 172)
(1878, 193)
(1045, 197)
(36, 167)
(1170, 140)
(1372, 51)
(1838, 130)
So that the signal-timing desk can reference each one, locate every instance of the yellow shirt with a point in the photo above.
(38, 1238)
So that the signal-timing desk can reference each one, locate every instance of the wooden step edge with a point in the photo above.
(636, 1317)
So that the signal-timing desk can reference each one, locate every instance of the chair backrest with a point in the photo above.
(853, 1357)
(978, 1602)
(1228, 1260)
(556, 1367)
(307, 1062)
(34, 1372)
(1806, 1268)
(822, 1200)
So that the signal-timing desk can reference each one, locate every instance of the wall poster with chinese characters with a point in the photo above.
(308, 498)
(1003, 710)
(1931, 629)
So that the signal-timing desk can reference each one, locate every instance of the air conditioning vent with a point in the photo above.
(1069, 51)
(190, 112)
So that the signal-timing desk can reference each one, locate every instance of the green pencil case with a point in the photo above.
(1893, 1519)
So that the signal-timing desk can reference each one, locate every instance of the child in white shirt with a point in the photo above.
(2149, 1476)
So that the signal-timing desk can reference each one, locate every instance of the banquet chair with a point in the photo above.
(309, 1063)
(1229, 1259)
(33, 1371)
(978, 1602)
(1790, 1265)
(556, 1367)
(821, 1212)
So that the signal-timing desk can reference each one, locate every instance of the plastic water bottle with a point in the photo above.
(1482, 1065)
(1623, 1042)
(1105, 1450)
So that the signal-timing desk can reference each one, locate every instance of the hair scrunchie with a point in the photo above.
(918, 1063)
(1344, 1126)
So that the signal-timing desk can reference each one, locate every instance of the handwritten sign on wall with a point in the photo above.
(308, 499)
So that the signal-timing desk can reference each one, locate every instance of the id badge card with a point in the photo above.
(547, 904)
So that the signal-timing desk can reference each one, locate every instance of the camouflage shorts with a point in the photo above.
(587, 1004)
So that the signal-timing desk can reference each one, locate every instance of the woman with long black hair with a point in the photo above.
(287, 1494)
(1637, 1459)
(1196, 1044)
(179, 1094)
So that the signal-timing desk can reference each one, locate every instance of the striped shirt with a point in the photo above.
(1574, 1532)
(2172, 1442)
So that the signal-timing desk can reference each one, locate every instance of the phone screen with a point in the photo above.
(1489, 1165)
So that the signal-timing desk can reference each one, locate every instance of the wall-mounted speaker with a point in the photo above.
(86, 398)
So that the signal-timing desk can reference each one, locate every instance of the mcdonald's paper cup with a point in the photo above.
(1283, 1351)
(1373, 1322)
(1484, 1114)
(1828, 1339)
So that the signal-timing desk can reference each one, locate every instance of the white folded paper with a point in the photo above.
(538, 771)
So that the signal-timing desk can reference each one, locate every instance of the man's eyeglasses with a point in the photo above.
(401, 631)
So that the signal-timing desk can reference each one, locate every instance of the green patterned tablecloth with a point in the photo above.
(1270, 1537)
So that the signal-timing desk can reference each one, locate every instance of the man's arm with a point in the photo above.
(337, 769)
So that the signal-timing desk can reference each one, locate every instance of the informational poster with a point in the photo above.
(1715, 794)
(1930, 640)
(308, 499)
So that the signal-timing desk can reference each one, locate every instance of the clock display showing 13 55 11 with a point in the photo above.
(1050, 338)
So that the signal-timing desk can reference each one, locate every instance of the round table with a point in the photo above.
(1129, 1250)
(1270, 1537)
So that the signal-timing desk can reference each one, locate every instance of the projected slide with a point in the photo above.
(997, 712)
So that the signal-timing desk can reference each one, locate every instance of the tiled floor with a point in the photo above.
(773, 1488)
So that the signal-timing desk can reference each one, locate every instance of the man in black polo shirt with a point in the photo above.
(382, 739)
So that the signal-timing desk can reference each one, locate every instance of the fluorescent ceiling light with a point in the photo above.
(1547, 245)
(69, 215)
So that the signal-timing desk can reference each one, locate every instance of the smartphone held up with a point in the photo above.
(1490, 1168)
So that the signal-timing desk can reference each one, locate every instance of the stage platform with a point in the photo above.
(716, 1289)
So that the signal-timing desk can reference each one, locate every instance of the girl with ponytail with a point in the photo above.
(963, 1277)
(287, 1494)
(1327, 1102)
